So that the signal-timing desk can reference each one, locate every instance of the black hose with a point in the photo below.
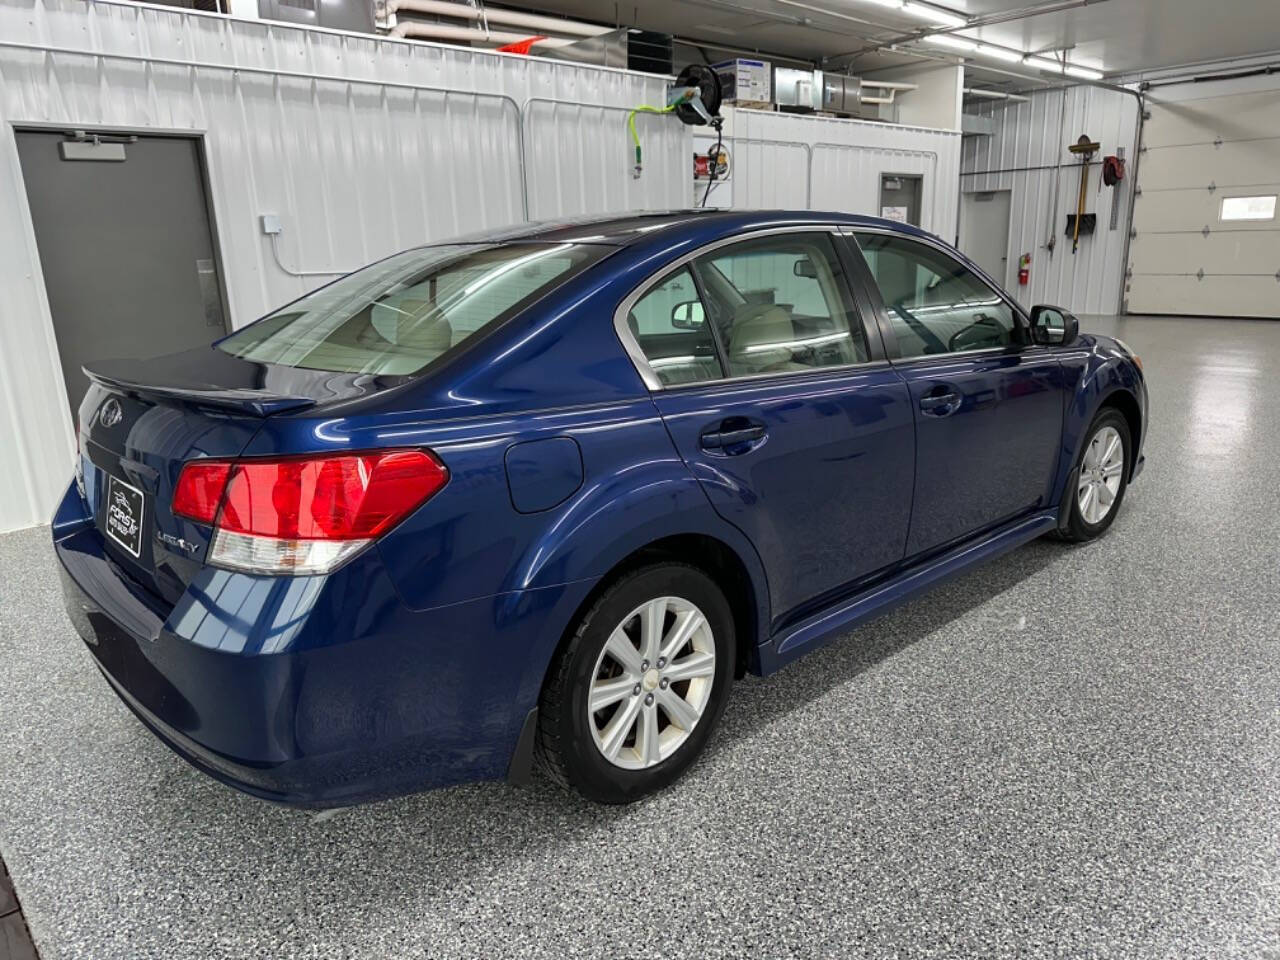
(713, 167)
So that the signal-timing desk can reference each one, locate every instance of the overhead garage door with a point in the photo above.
(1207, 239)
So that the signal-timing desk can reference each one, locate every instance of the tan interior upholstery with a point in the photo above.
(762, 340)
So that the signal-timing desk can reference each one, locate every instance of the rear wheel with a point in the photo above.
(1102, 477)
(632, 698)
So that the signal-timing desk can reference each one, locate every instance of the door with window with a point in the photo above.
(784, 408)
(988, 405)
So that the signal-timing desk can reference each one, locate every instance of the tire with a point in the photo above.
(637, 743)
(1085, 522)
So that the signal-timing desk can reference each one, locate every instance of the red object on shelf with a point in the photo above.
(520, 46)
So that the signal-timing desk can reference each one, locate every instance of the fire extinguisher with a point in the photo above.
(1024, 269)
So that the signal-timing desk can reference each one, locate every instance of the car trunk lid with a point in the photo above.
(142, 420)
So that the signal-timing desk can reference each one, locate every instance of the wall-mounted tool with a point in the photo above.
(1112, 170)
(694, 98)
(1079, 222)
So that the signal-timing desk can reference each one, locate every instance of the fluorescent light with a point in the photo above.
(1085, 72)
(895, 4)
(955, 43)
(1047, 64)
(933, 14)
(999, 53)
(1044, 63)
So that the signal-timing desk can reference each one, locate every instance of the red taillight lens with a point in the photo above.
(199, 490)
(349, 497)
(304, 515)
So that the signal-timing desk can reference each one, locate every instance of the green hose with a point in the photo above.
(631, 124)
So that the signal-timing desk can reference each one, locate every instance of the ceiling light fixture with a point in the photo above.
(1083, 72)
(934, 14)
(1057, 66)
(999, 53)
(952, 41)
(1008, 55)
(1043, 63)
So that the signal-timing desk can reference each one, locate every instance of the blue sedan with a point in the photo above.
(542, 495)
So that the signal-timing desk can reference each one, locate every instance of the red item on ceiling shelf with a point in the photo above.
(520, 46)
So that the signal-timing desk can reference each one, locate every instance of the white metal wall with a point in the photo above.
(361, 145)
(830, 164)
(1030, 141)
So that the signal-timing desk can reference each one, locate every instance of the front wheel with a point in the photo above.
(632, 698)
(1102, 478)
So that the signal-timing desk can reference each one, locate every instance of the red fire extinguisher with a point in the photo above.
(1024, 269)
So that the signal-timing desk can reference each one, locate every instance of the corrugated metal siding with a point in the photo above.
(581, 158)
(342, 136)
(1032, 135)
(841, 167)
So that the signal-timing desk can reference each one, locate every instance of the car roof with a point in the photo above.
(631, 228)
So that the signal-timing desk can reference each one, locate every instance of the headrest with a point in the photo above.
(758, 326)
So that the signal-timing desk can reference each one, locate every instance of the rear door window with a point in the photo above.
(670, 325)
(400, 314)
(780, 304)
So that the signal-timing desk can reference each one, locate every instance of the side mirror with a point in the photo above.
(1053, 326)
(688, 315)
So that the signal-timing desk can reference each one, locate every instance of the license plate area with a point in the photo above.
(123, 515)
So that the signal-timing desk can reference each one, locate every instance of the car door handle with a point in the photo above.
(940, 404)
(732, 438)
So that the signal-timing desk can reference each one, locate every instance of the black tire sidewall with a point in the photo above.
(587, 769)
(1081, 529)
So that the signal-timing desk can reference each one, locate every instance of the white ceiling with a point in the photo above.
(1123, 36)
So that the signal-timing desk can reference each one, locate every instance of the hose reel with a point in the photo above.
(694, 98)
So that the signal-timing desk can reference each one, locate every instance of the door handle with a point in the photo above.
(732, 436)
(940, 404)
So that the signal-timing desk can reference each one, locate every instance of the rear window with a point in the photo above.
(398, 315)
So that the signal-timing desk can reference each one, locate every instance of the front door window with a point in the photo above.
(934, 303)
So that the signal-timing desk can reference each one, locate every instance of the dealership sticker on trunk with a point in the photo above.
(124, 515)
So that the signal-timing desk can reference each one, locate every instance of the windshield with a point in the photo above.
(398, 315)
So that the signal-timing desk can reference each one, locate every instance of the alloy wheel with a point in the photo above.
(1100, 475)
(651, 682)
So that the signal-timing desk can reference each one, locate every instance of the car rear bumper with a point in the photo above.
(312, 691)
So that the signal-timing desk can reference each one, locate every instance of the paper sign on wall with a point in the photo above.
(896, 214)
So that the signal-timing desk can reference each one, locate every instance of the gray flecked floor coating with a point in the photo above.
(1068, 752)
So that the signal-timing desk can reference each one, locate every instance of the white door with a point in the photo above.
(984, 231)
(1207, 239)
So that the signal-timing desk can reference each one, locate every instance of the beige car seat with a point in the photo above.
(762, 340)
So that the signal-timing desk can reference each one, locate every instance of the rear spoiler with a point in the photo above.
(132, 376)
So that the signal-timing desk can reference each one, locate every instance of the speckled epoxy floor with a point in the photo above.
(1070, 752)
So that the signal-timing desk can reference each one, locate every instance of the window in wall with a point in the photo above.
(670, 325)
(780, 304)
(935, 304)
(1249, 208)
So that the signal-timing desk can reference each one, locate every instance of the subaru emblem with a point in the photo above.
(110, 414)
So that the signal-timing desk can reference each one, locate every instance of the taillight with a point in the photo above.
(303, 515)
(200, 489)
